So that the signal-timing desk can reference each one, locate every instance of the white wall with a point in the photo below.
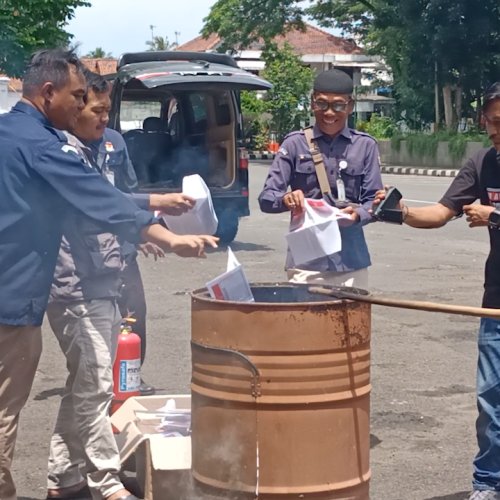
(7, 98)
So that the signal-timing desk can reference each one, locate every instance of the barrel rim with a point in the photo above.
(202, 295)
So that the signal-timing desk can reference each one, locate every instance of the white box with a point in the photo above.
(201, 219)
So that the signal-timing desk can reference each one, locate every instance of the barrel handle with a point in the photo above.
(241, 357)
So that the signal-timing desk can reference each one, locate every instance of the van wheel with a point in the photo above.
(227, 228)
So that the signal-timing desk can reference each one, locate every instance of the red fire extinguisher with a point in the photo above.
(127, 366)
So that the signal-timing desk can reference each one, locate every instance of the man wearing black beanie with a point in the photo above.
(349, 168)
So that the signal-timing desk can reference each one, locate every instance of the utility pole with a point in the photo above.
(437, 114)
(177, 34)
(152, 27)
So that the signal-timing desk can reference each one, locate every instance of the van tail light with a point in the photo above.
(244, 192)
(243, 158)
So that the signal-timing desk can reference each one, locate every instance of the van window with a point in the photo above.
(133, 113)
(198, 103)
(173, 120)
(222, 103)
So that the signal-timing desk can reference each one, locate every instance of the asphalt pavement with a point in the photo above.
(423, 364)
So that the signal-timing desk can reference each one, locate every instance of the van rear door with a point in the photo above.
(195, 75)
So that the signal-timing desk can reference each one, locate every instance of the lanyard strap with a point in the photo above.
(101, 159)
(319, 165)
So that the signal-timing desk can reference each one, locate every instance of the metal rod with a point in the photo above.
(480, 312)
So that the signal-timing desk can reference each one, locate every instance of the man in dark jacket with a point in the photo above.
(42, 177)
(351, 172)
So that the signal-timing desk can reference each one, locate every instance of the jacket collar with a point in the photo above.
(345, 132)
(29, 109)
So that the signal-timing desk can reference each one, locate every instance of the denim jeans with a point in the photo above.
(487, 461)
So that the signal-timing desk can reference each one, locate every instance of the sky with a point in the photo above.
(124, 25)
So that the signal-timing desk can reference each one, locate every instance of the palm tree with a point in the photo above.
(98, 53)
(160, 43)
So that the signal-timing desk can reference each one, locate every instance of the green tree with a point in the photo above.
(30, 25)
(288, 100)
(283, 107)
(256, 120)
(240, 22)
(98, 53)
(444, 48)
(160, 43)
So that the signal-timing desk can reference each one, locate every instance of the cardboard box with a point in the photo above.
(162, 464)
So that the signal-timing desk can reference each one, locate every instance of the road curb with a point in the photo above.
(259, 155)
(386, 169)
(434, 172)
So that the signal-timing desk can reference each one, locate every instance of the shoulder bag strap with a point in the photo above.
(319, 165)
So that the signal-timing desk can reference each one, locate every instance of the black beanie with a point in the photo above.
(333, 81)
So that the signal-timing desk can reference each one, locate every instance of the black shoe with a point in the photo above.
(146, 389)
(83, 493)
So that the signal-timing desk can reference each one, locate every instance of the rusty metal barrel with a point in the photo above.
(281, 395)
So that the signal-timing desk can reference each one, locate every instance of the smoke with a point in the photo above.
(227, 454)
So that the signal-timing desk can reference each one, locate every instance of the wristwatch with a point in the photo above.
(494, 219)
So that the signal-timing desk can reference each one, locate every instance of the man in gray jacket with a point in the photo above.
(84, 315)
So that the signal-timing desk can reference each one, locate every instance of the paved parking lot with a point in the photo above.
(423, 364)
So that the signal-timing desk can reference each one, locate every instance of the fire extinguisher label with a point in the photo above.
(130, 375)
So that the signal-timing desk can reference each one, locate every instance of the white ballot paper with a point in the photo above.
(201, 219)
(172, 421)
(315, 233)
(233, 284)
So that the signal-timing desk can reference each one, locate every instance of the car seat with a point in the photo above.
(132, 139)
(153, 124)
(155, 144)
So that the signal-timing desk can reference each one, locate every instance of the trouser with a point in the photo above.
(83, 445)
(20, 349)
(132, 301)
(358, 278)
(487, 461)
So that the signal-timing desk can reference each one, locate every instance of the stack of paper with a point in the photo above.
(233, 284)
(174, 421)
(315, 233)
(201, 219)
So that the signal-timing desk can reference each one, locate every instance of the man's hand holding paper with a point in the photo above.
(294, 201)
(314, 233)
(200, 216)
(171, 203)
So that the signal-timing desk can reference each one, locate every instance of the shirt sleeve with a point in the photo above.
(86, 190)
(140, 199)
(464, 189)
(278, 180)
(372, 182)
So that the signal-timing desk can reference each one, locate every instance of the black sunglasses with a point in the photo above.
(337, 106)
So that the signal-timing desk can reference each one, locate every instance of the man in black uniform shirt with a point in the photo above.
(479, 179)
